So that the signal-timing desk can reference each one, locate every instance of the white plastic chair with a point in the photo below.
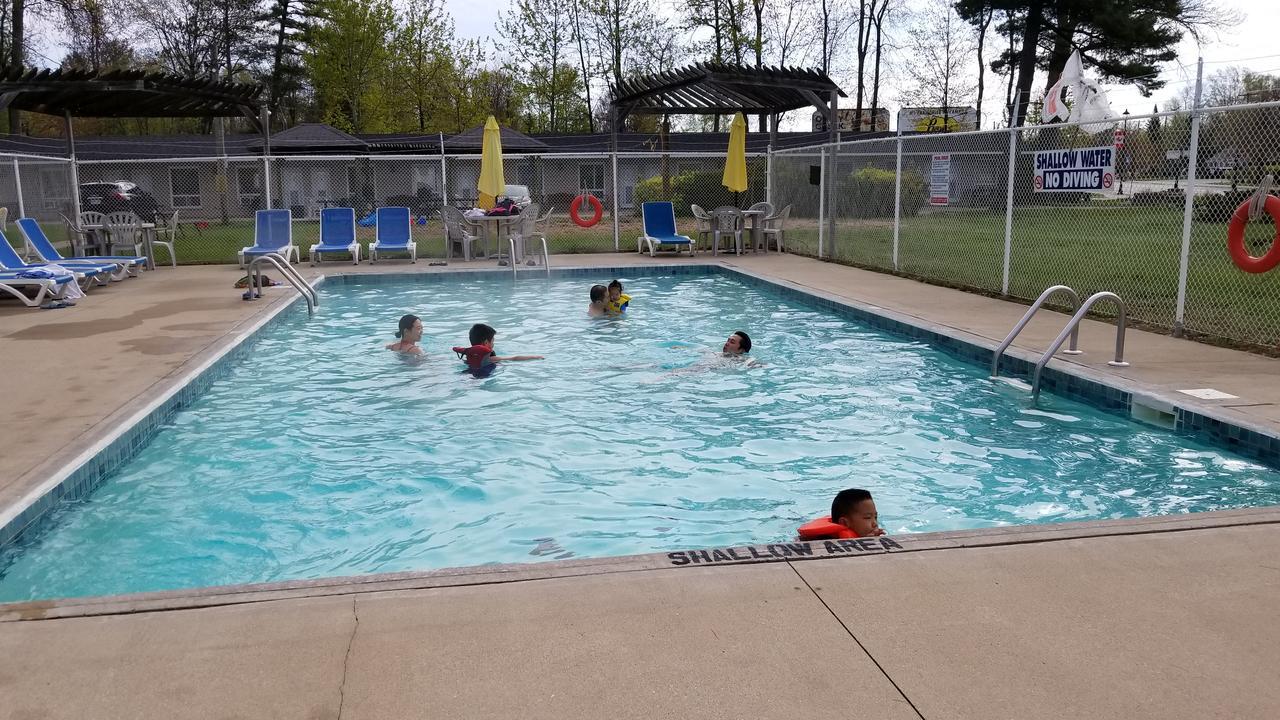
(703, 223)
(775, 228)
(726, 221)
(124, 229)
(459, 232)
(167, 230)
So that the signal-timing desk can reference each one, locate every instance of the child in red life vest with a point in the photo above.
(481, 353)
(853, 514)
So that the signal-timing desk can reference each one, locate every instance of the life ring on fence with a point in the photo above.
(824, 529)
(1235, 238)
(576, 205)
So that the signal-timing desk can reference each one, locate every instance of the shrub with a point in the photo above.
(1218, 208)
(699, 187)
(869, 193)
(1163, 198)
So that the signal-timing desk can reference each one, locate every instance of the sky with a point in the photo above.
(1250, 44)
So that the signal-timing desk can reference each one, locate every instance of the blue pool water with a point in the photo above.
(321, 454)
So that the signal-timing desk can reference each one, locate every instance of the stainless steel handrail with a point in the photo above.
(293, 276)
(546, 258)
(1026, 318)
(1071, 326)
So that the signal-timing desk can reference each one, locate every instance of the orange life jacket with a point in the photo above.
(824, 529)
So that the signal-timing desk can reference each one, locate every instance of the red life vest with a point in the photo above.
(824, 529)
(476, 356)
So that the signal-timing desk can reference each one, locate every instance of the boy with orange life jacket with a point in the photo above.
(481, 355)
(853, 514)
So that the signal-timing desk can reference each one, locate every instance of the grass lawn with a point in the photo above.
(1132, 251)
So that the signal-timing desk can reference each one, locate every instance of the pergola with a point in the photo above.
(720, 89)
(711, 88)
(125, 93)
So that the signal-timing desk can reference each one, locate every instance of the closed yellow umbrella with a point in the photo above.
(735, 163)
(491, 183)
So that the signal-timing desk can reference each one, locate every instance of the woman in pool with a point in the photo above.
(409, 333)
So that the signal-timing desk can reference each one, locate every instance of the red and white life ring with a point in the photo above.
(1235, 238)
(576, 205)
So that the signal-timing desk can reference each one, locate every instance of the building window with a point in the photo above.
(249, 188)
(591, 180)
(628, 195)
(184, 186)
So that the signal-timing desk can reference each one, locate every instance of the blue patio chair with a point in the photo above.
(394, 234)
(660, 229)
(272, 233)
(39, 243)
(46, 288)
(85, 273)
(337, 234)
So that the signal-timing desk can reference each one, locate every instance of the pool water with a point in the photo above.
(321, 454)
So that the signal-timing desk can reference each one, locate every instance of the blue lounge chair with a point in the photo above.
(85, 272)
(39, 243)
(337, 234)
(272, 233)
(660, 229)
(394, 234)
(46, 288)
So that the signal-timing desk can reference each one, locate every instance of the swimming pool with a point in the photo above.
(319, 454)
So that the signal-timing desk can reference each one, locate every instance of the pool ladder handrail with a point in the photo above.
(292, 275)
(515, 267)
(1026, 318)
(1073, 324)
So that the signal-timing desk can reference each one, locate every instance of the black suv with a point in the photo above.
(118, 196)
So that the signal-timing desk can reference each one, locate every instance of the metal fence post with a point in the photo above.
(1014, 132)
(444, 176)
(897, 194)
(1188, 205)
(822, 199)
(266, 182)
(17, 181)
(616, 233)
(768, 177)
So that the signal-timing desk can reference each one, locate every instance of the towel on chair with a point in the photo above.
(71, 290)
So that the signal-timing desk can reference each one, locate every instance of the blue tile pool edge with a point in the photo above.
(84, 472)
(91, 466)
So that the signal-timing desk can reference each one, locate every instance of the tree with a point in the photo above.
(786, 26)
(421, 61)
(578, 11)
(878, 21)
(982, 22)
(349, 61)
(538, 41)
(1120, 40)
(285, 28)
(938, 56)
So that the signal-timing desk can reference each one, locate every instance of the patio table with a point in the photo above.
(148, 236)
(497, 227)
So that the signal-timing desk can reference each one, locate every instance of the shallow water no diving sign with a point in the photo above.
(784, 551)
(1089, 169)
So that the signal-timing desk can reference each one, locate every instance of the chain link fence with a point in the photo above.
(958, 209)
(215, 198)
(965, 210)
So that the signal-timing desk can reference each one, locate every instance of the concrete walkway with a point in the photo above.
(1166, 625)
(1049, 621)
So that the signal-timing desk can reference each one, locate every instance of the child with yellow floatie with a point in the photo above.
(618, 300)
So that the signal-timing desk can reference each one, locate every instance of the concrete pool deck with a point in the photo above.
(1169, 617)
